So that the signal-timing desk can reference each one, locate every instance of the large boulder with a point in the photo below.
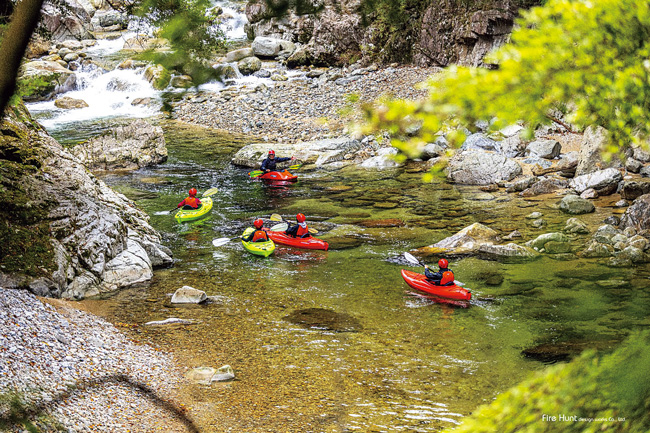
(237, 55)
(266, 47)
(67, 19)
(466, 241)
(55, 78)
(602, 181)
(249, 65)
(551, 242)
(637, 216)
(85, 238)
(574, 205)
(480, 142)
(507, 253)
(68, 103)
(130, 147)
(481, 168)
(188, 295)
(594, 140)
(547, 149)
(158, 76)
(635, 188)
(385, 158)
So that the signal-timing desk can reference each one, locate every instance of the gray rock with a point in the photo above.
(540, 242)
(572, 204)
(639, 242)
(481, 168)
(507, 252)
(223, 374)
(181, 81)
(538, 223)
(262, 73)
(590, 159)
(266, 47)
(605, 234)
(225, 72)
(188, 295)
(69, 103)
(637, 216)
(589, 193)
(137, 145)
(632, 255)
(521, 184)
(385, 158)
(645, 171)
(641, 154)
(596, 249)
(170, 321)
(480, 142)
(633, 166)
(548, 149)
(249, 65)
(534, 215)
(544, 186)
(55, 78)
(237, 55)
(575, 226)
(466, 241)
(434, 150)
(513, 146)
(131, 266)
(603, 181)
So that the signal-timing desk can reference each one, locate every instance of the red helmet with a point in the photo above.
(300, 218)
(272, 152)
(258, 223)
(192, 192)
(443, 263)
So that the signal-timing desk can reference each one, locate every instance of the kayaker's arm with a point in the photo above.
(249, 237)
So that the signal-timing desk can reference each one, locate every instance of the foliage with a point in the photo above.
(192, 29)
(604, 394)
(587, 59)
(28, 86)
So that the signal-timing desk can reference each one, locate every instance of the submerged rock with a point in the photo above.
(572, 204)
(188, 295)
(320, 318)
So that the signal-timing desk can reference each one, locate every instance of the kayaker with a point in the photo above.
(444, 276)
(258, 235)
(190, 202)
(299, 230)
(269, 163)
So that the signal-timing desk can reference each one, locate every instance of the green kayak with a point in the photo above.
(258, 248)
(184, 215)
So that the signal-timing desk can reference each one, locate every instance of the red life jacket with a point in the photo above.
(447, 277)
(260, 235)
(190, 201)
(302, 231)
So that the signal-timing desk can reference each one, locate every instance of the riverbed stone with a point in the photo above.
(543, 186)
(237, 55)
(130, 147)
(129, 267)
(632, 165)
(540, 242)
(595, 249)
(249, 65)
(324, 319)
(603, 181)
(188, 295)
(508, 252)
(158, 76)
(68, 103)
(466, 241)
(605, 234)
(595, 138)
(181, 81)
(519, 185)
(481, 168)
(572, 204)
(480, 142)
(547, 149)
(633, 189)
(266, 47)
(637, 216)
(575, 226)
(201, 375)
(384, 159)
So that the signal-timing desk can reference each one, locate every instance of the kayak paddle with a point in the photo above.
(278, 217)
(413, 260)
(223, 241)
(279, 227)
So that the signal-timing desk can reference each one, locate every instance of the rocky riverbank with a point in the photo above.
(307, 107)
(76, 371)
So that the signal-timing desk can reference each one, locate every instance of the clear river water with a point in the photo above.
(377, 356)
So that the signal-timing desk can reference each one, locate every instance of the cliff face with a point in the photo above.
(63, 232)
(432, 32)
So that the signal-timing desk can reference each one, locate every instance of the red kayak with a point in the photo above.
(310, 243)
(419, 281)
(283, 176)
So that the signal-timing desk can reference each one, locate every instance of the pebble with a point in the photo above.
(46, 352)
(300, 109)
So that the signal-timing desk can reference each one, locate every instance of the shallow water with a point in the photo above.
(412, 363)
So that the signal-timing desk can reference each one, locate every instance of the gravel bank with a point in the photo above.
(81, 373)
(302, 108)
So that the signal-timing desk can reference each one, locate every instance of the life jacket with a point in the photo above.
(260, 235)
(191, 201)
(447, 277)
(302, 231)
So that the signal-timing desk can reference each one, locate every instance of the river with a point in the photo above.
(381, 358)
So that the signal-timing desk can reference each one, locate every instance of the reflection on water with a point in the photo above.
(417, 363)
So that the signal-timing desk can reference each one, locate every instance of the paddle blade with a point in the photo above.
(255, 173)
(313, 231)
(279, 227)
(220, 242)
(210, 192)
(295, 166)
(276, 217)
(411, 259)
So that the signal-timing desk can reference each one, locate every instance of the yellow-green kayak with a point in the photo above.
(191, 215)
(258, 248)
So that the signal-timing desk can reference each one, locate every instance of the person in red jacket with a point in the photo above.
(258, 235)
(444, 277)
(190, 202)
(299, 230)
